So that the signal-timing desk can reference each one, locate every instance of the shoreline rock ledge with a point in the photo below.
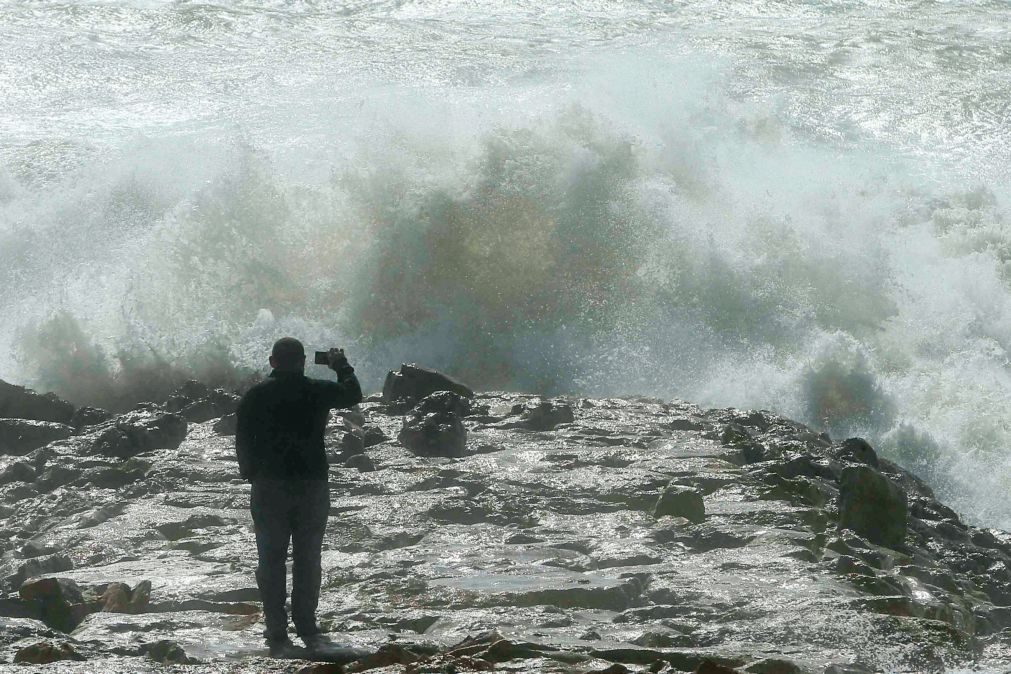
(493, 531)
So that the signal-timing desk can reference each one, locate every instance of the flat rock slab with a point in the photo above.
(559, 589)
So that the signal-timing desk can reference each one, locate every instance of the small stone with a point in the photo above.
(679, 501)
(873, 506)
(45, 652)
(363, 462)
(373, 435)
(167, 652)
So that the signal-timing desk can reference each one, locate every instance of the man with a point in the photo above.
(279, 444)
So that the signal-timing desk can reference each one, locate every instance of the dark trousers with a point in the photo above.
(294, 510)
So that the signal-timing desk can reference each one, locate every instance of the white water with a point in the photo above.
(795, 205)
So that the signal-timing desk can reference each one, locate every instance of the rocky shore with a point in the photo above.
(493, 532)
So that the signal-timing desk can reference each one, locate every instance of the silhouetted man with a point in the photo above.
(279, 444)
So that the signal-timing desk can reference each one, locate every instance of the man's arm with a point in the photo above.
(346, 391)
(245, 436)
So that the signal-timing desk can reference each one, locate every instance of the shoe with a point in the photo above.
(316, 641)
(280, 648)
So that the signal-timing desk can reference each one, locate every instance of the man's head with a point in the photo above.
(288, 355)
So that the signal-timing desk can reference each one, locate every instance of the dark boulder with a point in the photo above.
(856, 450)
(434, 428)
(45, 652)
(140, 431)
(18, 402)
(20, 436)
(679, 501)
(86, 417)
(363, 462)
(196, 402)
(542, 415)
(19, 471)
(63, 605)
(710, 667)
(373, 435)
(167, 652)
(227, 425)
(873, 506)
(413, 383)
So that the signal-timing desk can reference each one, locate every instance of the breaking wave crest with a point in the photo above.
(705, 253)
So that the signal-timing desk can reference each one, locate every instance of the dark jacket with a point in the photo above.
(281, 422)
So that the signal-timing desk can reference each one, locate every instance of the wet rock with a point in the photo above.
(167, 652)
(373, 435)
(63, 605)
(362, 462)
(856, 450)
(112, 477)
(140, 431)
(872, 506)
(17, 402)
(56, 476)
(19, 471)
(197, 402)
(20, 436)
(541, 415)
(86, 417)
(412, 383)
(710, 667)
(38, 566)
(45, 652)
(115, 599)
(227, 425)
(345, 439)
(174, 531)
(678, 501)
(140, 598)
(773, 666)
(434, 428)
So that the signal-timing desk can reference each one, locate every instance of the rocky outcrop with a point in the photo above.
(540, 415)
(17, 402)
(678, 501)
(516, 533)
(46, 652)
(196, 402)
(872, 506)
(62, 604)
(435, 427)
(413, 382)
(21, 436)
(139, 431)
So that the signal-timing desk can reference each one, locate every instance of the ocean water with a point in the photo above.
(798, 206)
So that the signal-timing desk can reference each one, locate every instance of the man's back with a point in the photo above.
(281, 422)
